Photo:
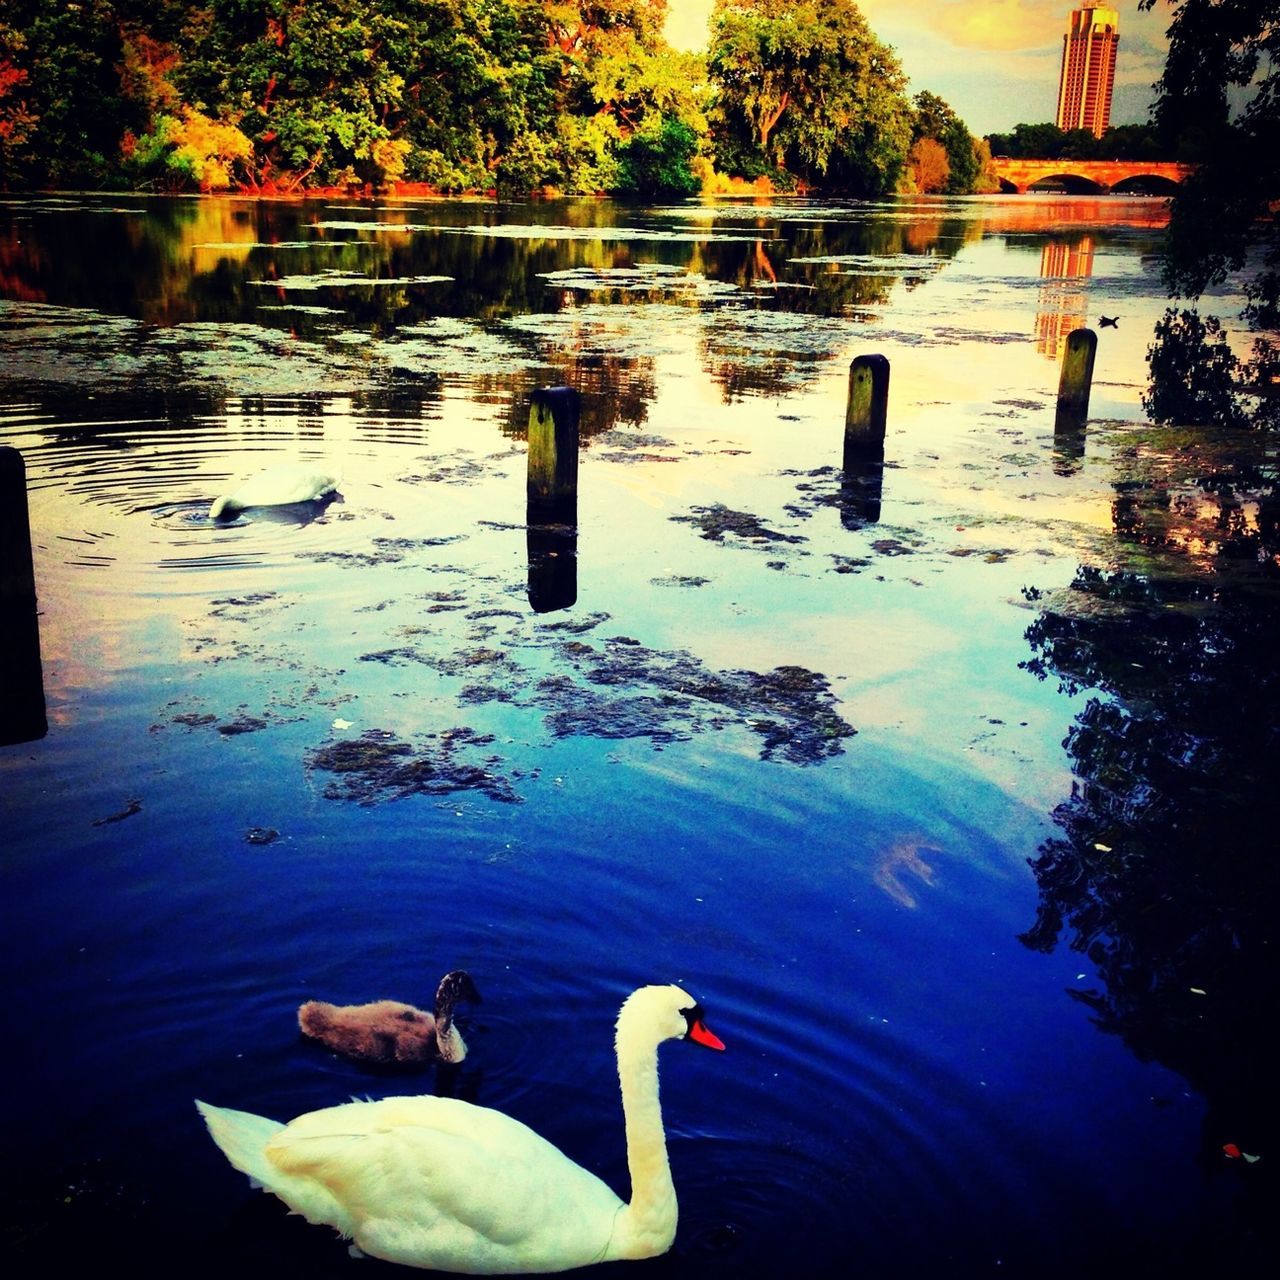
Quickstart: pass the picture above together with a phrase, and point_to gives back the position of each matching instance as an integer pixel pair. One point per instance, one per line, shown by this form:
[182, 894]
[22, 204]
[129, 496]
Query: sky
[996, 62]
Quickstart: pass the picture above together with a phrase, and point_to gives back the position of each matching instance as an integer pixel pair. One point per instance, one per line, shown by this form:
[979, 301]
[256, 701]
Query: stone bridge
[1086, 176]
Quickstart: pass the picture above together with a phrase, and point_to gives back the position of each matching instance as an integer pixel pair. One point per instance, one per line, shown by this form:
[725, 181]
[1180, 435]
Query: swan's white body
[280, 484]
[439, 1183]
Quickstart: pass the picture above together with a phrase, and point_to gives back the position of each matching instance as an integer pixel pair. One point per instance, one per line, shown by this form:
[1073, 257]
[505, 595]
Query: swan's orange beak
[699, 1031]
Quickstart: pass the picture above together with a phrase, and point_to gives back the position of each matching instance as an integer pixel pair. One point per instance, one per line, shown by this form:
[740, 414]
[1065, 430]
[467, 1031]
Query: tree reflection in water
[1165, 873]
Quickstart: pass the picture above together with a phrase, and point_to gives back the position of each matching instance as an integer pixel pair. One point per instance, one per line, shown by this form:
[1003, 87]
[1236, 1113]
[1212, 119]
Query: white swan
[389, 1033]
[440, 1183]
[282, 483]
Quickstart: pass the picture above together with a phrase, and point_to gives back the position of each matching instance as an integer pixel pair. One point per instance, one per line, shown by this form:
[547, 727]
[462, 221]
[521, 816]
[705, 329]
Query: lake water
[827, 754]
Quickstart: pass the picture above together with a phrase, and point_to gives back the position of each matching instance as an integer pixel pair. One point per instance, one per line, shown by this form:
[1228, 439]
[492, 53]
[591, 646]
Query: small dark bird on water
[1109, 322]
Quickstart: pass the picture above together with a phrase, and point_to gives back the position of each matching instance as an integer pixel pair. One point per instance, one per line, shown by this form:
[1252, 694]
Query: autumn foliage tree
[518, 95]
[928, 165]
[936, 121]
[17, 121]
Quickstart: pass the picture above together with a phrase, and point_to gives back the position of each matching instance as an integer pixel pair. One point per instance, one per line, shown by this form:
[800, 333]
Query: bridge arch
[1157, 177]
[1073, 184]
[1146, 184]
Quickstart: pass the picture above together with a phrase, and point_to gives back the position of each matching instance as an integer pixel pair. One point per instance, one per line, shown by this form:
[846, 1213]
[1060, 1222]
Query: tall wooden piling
[865, 417]
[22, 709]
[867, 410]
[1076, 379]
[553, 454]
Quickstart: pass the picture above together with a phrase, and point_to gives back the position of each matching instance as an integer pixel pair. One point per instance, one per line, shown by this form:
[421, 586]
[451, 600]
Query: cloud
[997, 25]
[1009, 25]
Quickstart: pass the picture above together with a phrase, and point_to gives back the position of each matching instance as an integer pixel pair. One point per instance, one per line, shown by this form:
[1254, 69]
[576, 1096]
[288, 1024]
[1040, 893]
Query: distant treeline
[1120, 142]
[516, 96]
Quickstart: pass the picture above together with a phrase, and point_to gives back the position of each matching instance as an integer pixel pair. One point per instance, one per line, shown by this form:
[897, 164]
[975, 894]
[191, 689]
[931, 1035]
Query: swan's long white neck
[647, 1225]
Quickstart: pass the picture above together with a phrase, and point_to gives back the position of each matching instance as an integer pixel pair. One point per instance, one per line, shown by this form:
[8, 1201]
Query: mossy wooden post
[868, 408]
[1076, 379]
[22, 710]
[553, 455]
[865, 417]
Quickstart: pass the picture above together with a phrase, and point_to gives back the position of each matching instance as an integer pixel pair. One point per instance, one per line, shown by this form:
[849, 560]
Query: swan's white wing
[286, 482]
[441, 1183]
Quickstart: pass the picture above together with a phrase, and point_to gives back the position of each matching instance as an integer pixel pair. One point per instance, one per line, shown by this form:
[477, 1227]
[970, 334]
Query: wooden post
[865, 416]
[867, 410]
[1077, 377]
[553, 454]
[22, 709]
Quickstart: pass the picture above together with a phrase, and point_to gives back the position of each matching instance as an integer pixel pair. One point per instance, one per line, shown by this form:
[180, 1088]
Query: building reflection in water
[1063, 304]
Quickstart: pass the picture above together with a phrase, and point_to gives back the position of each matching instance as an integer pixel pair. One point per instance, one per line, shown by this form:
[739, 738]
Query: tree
[189, 151]
[1222, 79]
[17, 121]
[935, 119]
[61, 109]
[574, 27]
[928, 165]
[1078, 144]
[1029, 142]
[657, 162]
[812, 90]
[1220, 51]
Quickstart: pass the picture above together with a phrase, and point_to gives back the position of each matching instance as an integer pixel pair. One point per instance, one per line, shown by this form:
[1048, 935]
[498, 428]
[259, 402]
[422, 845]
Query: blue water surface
[908, 1089]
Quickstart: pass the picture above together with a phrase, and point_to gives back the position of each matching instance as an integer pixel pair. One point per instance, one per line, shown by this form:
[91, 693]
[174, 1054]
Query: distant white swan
[283, 483]
[439, 1183]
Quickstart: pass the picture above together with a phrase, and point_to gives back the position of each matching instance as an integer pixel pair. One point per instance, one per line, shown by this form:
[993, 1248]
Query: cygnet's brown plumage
[391, 1034]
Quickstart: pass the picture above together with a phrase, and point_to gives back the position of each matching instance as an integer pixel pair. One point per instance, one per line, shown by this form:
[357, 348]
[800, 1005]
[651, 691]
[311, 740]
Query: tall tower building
[1088, 69]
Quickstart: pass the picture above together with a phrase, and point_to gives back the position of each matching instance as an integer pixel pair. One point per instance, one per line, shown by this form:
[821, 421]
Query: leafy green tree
[813, 89]
[658, 162]
[1120, 142]
[1221, 84]
[574, 27]
[60, 91]
[529, 163]
[374, 90]
[1220, 50]
[606, 49]
[189, 152]
[312, 84]
[1078, 144]
[1029, 142]
[1133, 142]
[618, 81]
[477, 76]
